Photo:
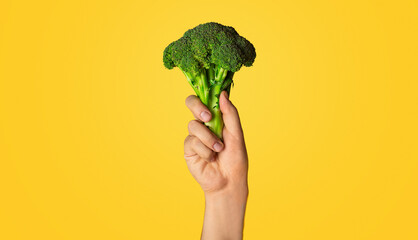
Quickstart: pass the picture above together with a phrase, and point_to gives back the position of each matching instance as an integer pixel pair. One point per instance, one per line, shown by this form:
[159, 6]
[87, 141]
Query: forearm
[224, 214]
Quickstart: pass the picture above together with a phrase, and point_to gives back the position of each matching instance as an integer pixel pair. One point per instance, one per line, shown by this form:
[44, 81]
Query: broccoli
[209, 55]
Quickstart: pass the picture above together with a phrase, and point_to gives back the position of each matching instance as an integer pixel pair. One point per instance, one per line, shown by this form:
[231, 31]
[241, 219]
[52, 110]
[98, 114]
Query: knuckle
[189, 100]
[187, 139]
[195, 141]
[193, 125]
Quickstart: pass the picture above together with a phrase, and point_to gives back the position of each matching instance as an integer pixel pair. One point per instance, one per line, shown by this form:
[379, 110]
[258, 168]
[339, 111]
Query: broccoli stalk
[208, 86]
[209, 55]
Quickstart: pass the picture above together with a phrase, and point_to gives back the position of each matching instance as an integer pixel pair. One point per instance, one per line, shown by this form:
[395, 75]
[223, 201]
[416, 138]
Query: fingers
[230, 115]
[199, 110]
[200, 131]
[193, 146]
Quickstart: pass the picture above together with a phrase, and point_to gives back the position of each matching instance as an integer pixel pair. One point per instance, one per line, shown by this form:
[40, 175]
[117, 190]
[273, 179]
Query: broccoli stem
[216, 124]
[200, 85]
[203, 87]
[208, 86]
[219, 79]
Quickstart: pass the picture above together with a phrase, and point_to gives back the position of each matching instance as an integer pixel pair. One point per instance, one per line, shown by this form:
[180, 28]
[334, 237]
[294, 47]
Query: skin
[220, 168]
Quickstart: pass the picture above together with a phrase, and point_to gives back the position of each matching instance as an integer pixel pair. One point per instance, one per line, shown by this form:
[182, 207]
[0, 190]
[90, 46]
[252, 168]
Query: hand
[216, 166]
[219, 167]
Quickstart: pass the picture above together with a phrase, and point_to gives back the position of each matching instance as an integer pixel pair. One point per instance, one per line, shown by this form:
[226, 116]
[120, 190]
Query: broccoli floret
[209, 55]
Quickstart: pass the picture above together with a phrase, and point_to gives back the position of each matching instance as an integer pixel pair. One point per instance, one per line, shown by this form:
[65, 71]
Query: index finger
[198, 109]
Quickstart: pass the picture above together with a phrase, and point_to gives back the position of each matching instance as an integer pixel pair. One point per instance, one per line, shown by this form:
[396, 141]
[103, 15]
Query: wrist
[224, 213]
[230, 194]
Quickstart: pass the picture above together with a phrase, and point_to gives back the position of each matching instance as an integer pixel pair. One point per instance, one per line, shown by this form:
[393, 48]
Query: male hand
[216, 165]
[219, 167]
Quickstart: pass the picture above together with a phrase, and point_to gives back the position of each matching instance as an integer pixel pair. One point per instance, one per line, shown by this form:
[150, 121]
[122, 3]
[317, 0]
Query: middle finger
[199, 130]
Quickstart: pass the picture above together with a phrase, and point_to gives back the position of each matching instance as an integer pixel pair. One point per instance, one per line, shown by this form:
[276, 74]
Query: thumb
[230, 115]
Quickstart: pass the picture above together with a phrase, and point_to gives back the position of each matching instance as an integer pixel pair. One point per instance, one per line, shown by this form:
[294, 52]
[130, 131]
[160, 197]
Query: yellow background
[92, 125]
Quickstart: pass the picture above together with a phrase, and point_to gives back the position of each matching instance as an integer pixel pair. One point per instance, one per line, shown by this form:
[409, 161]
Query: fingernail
[217, 146]
[205, 116]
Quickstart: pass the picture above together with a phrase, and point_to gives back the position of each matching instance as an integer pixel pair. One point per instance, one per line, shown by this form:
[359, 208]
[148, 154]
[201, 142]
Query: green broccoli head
[209, 55]
[206, 44]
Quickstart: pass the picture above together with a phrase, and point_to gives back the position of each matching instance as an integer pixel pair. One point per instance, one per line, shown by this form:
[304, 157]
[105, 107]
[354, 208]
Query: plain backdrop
[92, 125]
